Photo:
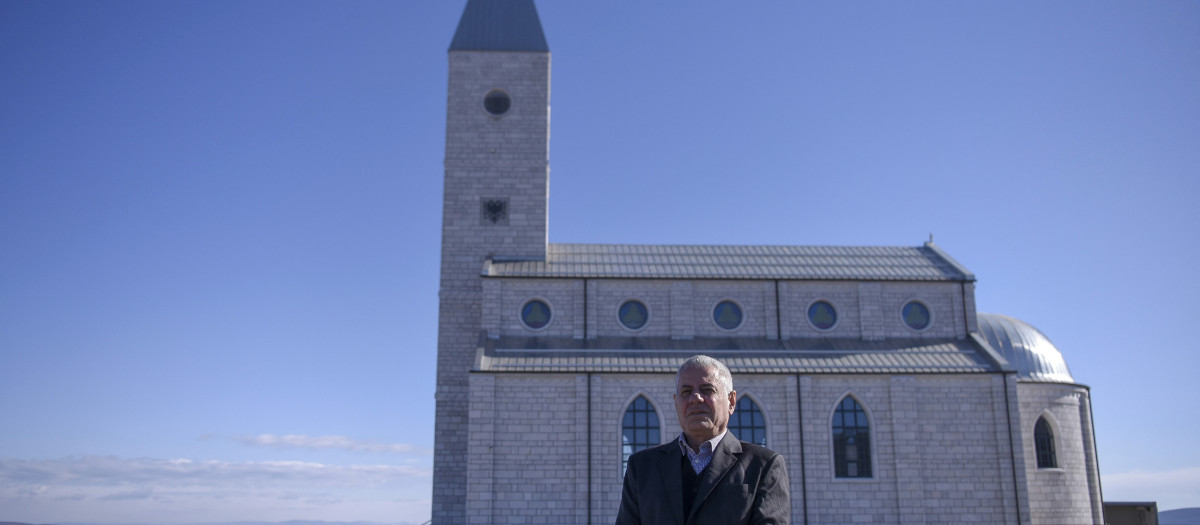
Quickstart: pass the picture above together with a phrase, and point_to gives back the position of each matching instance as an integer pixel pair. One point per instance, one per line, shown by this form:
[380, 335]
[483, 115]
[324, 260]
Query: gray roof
[741, 355]
[499, 25]
[876, 263]
[1026, 348]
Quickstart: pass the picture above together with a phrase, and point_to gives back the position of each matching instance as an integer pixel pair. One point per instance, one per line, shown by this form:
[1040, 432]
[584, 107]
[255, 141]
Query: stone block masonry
[937, 452]
[487, 157]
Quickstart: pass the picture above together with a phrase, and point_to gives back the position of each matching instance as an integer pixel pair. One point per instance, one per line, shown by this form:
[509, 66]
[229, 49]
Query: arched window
[639, 429]
[1043, 440]
[851, 440]
[747, 422]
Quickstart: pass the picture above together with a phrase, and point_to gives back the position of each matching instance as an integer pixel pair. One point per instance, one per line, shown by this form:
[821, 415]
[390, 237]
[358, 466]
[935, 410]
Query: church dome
[1026, 348]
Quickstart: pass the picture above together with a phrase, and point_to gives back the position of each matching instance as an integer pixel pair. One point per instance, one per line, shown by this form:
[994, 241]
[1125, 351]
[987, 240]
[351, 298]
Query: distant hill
[1188, 516]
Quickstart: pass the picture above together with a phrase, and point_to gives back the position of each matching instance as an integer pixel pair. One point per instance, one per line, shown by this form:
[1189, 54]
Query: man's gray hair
[724, 379]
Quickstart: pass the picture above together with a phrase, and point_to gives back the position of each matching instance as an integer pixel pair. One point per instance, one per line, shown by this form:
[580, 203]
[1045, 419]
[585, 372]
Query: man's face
[702, 409]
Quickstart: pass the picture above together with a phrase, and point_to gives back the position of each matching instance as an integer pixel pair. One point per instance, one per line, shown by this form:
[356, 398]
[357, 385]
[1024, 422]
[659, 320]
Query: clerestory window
[851, 440]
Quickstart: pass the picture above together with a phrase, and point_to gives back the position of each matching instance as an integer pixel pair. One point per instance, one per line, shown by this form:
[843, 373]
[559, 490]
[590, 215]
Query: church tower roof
[499, 25]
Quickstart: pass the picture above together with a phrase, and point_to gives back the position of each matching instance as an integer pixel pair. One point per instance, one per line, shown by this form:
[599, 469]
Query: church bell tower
[494, 204]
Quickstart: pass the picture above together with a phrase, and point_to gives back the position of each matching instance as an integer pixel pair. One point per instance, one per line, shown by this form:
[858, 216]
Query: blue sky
[220, 220]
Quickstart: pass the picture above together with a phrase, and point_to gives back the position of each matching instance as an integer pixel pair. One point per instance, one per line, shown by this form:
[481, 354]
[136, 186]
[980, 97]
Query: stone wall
[1061, 495]
[487, 157]
[606, 296]
[939, 445]
[527, 458]
[683, 309]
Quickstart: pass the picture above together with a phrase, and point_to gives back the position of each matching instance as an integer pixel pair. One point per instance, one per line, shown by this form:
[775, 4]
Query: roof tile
[735, 262]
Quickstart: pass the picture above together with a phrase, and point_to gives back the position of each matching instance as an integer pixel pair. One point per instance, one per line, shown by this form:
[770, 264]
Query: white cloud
[143, 493]
[90, 469]
[1172, 489]
[329, 442]
[96, 488]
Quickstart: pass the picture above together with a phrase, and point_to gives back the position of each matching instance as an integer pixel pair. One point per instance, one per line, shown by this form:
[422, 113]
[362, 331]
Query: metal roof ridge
[967, 274]
[736, 246]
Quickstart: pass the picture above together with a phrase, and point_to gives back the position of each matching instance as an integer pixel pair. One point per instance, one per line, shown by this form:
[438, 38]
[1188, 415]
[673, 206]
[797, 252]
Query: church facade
[867, 368]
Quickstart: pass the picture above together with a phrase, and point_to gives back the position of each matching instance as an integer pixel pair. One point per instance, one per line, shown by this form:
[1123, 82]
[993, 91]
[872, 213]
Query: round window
[535, 314]
[727, 315]
[633, 315]
[916, 315]
[497, 102]
[822, 315]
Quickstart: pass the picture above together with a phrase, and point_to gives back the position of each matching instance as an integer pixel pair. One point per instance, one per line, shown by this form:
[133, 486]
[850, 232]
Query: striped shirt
[700, 460]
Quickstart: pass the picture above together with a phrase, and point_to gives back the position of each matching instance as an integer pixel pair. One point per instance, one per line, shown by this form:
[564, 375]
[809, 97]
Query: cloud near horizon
[95, 488]
[86, 470]
[329, 442]
[1171, 489]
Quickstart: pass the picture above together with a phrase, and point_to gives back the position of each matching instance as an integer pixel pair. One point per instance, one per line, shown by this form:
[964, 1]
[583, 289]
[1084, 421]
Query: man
[707, 476]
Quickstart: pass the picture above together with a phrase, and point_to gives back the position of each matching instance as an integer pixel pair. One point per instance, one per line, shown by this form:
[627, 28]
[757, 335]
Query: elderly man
[707, 476]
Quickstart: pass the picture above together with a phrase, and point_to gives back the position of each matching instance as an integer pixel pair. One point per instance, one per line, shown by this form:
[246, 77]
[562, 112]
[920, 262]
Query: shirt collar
[712, 443]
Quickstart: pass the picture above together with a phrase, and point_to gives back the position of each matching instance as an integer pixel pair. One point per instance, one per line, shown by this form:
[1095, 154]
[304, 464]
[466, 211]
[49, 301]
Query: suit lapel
[723, 459]
[668, 468]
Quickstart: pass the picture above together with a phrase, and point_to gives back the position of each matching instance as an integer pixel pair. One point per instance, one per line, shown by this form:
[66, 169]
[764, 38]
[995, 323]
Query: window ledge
[855, 480]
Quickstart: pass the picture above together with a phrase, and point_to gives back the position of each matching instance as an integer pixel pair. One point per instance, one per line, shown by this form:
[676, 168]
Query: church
[867, 367]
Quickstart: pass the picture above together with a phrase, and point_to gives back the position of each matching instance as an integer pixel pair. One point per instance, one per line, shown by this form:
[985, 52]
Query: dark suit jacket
[744, 484]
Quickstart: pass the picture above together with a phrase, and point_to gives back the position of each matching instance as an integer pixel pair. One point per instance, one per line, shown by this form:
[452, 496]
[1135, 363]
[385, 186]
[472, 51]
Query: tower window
[851, 440]
[1043, 440]
[822, 315]
[639, 429]
[747, 422]
[497, 102]
[536, 314]
[916, 315]
[727, 315]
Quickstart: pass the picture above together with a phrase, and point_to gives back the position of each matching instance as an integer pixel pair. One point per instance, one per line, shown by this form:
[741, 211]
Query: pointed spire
[499, 25]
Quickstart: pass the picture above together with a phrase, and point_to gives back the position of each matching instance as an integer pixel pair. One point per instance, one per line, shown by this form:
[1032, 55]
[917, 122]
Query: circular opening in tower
[497, 102]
